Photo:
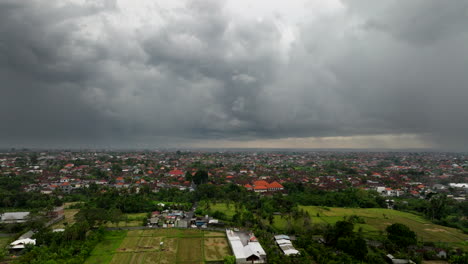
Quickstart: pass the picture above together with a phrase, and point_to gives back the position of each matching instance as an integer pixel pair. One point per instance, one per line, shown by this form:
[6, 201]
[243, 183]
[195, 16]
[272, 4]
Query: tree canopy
[401, 235]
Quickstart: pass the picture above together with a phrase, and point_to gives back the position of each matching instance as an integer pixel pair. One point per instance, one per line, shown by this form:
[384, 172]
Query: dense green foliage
[350, 197]
[439, 209]
[400, 235]
[13, 196]
[72, 246]
[200, 177]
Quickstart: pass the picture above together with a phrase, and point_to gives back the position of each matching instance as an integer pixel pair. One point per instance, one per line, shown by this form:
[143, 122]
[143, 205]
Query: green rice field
[181, 246]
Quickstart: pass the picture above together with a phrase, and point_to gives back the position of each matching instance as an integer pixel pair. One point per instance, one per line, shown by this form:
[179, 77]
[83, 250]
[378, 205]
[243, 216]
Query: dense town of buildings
[389, 173]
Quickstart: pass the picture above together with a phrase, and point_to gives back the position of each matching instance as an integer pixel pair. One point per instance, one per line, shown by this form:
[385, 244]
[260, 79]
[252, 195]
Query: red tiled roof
[274, 184]
[261, 187]
[260, 183]
[176, 172]
[248, 186]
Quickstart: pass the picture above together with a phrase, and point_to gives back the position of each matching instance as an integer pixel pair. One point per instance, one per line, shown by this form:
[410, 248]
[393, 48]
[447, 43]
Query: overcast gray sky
[240, 73]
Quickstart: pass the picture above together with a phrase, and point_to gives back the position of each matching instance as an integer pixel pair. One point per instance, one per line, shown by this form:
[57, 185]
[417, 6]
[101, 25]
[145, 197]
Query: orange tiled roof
[260, 183]
[274, 184]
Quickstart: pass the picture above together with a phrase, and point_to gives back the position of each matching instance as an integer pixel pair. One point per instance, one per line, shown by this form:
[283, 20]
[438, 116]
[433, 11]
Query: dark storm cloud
[99, 75]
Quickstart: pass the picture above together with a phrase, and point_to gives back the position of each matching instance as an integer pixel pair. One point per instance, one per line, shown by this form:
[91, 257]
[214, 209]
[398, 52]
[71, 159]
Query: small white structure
[399, 261]
[14, 217]
[21, 243]
[284, 242]
[385, 191]
[213, 221]
[459, 185]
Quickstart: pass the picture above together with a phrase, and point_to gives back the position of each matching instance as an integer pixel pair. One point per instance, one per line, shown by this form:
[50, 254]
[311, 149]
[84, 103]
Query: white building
[14, 217]
[21, 243]
[459, 185]
[286, 245]
[246, 251]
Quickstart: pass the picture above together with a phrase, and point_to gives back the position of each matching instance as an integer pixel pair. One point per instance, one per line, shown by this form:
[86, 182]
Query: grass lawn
[228, 209]
[376, 220]
[181, 246]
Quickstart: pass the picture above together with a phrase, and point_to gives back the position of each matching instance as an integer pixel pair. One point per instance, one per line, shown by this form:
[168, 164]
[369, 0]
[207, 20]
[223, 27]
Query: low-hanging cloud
[125, 73]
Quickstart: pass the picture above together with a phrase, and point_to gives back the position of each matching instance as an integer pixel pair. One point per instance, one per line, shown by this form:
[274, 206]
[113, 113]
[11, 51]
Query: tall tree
[401, 235]
[200, 177]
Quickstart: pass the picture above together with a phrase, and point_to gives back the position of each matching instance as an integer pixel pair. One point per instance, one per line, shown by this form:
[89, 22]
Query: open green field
[131, 220]
[228, 209]
[182, 246]
[69, 218]
[376, 220]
